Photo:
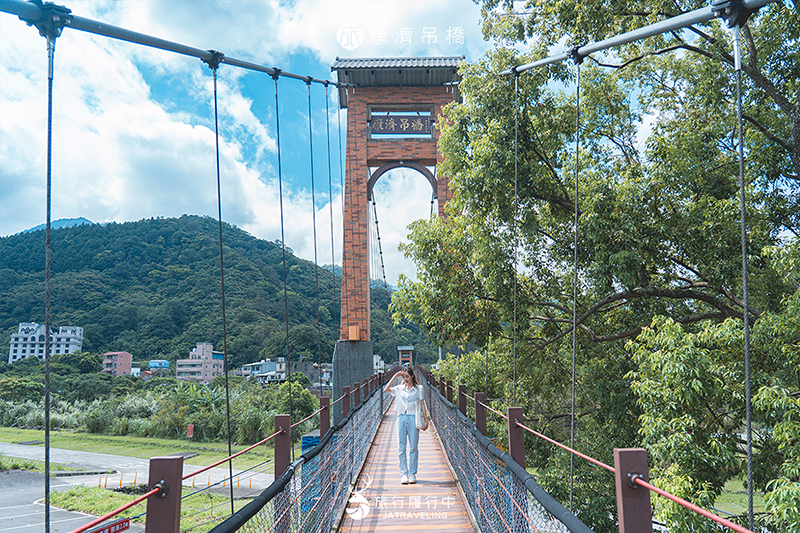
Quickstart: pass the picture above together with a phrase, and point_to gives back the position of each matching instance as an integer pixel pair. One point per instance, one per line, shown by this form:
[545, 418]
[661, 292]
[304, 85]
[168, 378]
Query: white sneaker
[412, 478]
[404, 480]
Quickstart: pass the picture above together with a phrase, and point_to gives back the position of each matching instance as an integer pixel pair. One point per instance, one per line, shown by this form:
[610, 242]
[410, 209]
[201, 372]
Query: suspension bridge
[344, 479]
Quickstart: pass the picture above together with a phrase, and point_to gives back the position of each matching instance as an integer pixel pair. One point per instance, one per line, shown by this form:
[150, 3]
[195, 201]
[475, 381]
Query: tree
[658, 233]
[301, 379]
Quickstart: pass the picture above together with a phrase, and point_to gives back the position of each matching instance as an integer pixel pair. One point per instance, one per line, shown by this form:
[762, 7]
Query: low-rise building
[378, 365]
[203, 364]
[252, 371]
[117, 363]
[307, 368]
[30, 340]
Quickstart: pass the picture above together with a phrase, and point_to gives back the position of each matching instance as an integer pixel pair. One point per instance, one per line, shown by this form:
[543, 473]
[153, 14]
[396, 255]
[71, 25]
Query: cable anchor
[575, 56]
[215, 59]
[163, 487]
[632, 476]
[52, 19]
[732, 11]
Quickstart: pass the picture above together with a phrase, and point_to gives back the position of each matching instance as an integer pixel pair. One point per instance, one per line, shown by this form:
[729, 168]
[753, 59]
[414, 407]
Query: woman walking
[407, 393]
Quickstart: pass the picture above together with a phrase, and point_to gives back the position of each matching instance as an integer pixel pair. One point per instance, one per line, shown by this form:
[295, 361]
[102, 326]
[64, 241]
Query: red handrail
[691, 506]
[339, 399]
[579, 454]
[115, 512]
[638, 480]
[309, 416]
[237, 454]
[494, 410]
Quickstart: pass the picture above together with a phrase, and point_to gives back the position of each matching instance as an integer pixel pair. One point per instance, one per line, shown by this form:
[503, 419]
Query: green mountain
[61, 223]
[152, 288]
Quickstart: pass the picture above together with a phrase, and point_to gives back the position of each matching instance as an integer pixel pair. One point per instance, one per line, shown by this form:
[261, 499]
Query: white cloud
[133, 126]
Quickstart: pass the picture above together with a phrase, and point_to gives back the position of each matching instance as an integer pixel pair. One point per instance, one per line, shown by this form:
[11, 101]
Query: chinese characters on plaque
[401, 125]
[351, 36]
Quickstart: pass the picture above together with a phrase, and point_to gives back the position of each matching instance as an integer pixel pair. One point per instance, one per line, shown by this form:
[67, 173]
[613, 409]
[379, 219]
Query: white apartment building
[30, 340]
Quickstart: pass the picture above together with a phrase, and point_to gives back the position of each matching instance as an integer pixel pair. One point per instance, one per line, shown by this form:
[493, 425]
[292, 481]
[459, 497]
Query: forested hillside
[152, 288]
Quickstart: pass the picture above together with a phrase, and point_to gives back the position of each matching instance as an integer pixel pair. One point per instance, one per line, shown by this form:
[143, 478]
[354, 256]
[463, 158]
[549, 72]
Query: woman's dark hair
[410, 372]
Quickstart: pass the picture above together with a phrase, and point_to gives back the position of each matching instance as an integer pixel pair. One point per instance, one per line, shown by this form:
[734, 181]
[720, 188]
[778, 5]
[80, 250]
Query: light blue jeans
[407, 429]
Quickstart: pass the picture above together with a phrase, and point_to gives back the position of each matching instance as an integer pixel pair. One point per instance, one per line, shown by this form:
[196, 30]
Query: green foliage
[301, 379]
[658, 253]
[20, 389]
[152, 288]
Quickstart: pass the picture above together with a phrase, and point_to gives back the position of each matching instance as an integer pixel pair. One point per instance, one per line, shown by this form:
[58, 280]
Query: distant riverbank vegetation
[160, 407]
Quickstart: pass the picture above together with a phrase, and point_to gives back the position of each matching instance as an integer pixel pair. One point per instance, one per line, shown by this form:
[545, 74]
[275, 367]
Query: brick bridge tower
[393, 105]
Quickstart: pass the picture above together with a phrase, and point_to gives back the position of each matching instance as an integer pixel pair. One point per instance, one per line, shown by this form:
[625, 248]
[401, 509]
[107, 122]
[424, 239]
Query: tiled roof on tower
[396, 72]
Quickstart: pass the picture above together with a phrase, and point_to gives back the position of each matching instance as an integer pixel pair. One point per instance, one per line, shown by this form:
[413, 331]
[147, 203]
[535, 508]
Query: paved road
[21, 509]
[20, 492]
[130, 468]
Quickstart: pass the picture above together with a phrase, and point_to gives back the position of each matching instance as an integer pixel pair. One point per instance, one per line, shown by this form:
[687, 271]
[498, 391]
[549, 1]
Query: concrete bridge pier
[352, 363]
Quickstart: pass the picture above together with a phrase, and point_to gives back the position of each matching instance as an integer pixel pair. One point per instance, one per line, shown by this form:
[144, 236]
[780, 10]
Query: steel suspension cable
[330, 206]
[51, 50]
[514, 231]
[314, 224]
[745, 296]
[575, 276]
[214, 65]
[383, 268]
[283, 246]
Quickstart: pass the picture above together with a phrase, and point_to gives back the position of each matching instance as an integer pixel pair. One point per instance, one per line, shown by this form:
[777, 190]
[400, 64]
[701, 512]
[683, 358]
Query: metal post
[345, 401]
[283, 443]
[164, 509]
[356, 395]
[633, 501]
[480, 412]
[324, 416]
[449, 389]
[462, 399]
[516, 436]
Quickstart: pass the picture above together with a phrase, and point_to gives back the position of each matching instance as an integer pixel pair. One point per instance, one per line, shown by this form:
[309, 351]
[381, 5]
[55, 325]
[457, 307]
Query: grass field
[143, 448]
[200, 512]
[13, 463]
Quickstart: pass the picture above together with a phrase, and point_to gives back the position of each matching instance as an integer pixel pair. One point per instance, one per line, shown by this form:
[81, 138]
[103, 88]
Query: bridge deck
[434, 502]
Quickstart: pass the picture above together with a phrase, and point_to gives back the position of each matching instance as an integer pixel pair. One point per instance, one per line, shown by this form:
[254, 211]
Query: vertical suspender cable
[575, 280]
[380, 254]
[314, 224]
[330, 203]
[745, 297]
[222, 288]
[514, 232]
[283, 249]
[51, 50]
[486, 350]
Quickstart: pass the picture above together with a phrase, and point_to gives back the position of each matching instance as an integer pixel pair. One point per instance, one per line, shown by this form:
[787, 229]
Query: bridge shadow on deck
[434, 502]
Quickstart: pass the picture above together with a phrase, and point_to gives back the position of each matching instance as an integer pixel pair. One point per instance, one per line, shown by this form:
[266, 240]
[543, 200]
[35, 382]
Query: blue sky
[134, 131]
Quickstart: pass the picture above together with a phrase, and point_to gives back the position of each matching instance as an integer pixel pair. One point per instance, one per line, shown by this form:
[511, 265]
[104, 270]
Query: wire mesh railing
[502, 495]
[312, 493]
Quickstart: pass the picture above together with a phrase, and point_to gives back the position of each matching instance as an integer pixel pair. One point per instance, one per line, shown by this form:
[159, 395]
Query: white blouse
[405, 399]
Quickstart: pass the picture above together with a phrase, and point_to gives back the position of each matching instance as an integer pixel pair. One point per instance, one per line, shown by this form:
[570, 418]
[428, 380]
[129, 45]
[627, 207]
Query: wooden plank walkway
[434, 502]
